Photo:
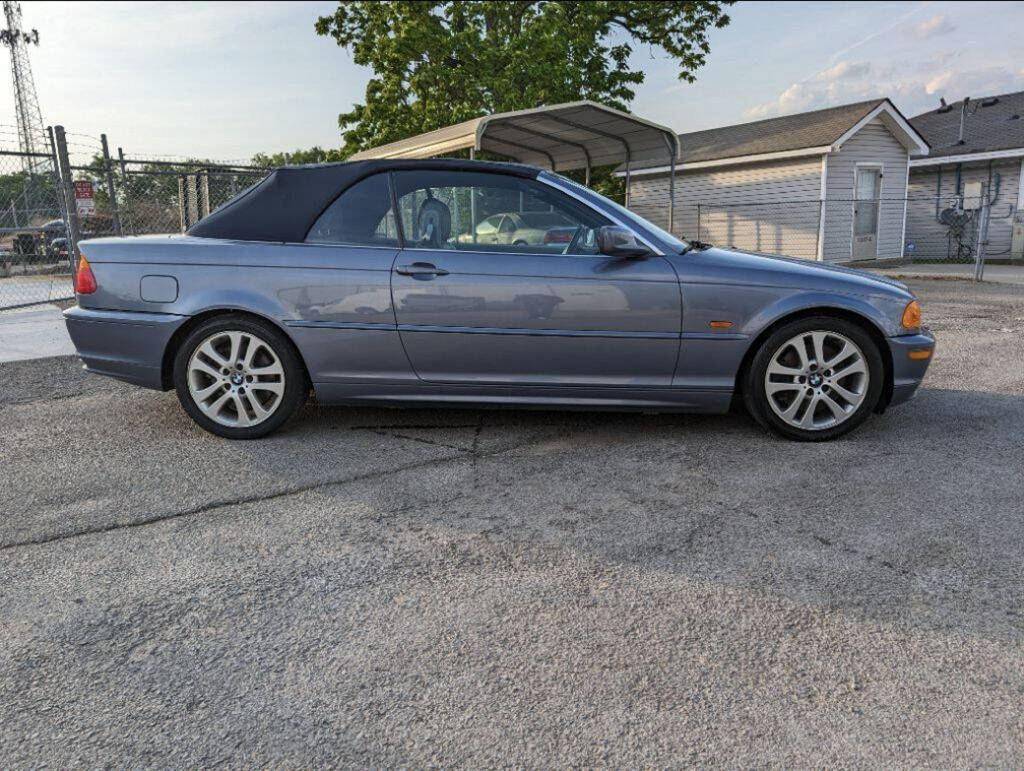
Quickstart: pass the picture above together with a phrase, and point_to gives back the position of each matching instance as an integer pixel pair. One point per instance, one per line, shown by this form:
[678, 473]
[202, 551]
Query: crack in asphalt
[837, 544]
[419, 439]
[244, 500]
[411, 426]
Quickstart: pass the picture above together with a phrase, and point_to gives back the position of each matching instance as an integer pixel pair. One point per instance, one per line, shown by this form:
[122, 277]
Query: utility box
[1017, 239]
[972, 196]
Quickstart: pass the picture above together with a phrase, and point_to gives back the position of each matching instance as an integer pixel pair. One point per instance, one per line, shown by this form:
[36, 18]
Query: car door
[337, 290]
[542, 314]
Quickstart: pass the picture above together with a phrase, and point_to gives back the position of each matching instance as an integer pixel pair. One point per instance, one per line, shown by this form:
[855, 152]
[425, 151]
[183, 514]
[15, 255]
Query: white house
[977, 140]
[829, 184]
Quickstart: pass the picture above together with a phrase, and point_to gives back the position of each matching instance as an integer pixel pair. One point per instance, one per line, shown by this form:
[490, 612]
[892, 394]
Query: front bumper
[125, 345]
[907, 372]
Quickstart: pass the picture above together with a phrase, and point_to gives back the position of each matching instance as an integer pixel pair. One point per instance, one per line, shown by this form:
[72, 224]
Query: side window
[360, 216]
[488, 227]
[454, 210]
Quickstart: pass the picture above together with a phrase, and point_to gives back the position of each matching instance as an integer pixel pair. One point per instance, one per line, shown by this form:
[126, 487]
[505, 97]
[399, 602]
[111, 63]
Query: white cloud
[844, 70]
[939, 82]
[939, 24]
[917, 89]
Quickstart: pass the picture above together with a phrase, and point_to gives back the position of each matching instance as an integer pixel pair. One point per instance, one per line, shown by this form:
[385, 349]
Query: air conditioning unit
[1017, 240]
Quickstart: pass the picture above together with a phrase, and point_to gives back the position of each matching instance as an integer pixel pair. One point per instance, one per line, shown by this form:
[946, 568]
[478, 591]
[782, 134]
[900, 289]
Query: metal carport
[562, 137]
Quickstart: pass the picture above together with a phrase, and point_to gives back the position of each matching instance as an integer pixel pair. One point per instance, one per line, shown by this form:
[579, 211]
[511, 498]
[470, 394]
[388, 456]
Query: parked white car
[528, 228]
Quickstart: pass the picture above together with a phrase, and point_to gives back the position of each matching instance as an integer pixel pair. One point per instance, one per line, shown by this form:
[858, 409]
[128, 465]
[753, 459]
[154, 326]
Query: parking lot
[399, 587]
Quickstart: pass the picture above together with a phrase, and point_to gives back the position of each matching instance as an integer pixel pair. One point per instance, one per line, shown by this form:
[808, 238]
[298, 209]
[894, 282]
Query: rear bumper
[120, 344]
[908, 372]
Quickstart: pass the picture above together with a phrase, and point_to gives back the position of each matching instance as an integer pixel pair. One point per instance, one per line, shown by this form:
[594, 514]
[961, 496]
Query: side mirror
[620, 242]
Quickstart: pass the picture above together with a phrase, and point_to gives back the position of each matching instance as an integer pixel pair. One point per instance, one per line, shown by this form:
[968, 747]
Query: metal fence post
[55, 168]
[123, 164]
[74, 233]
[108, 173]
[979, 253]
[203, 193]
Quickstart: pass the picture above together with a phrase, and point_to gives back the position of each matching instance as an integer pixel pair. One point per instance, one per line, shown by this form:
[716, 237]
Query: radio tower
[30, 119]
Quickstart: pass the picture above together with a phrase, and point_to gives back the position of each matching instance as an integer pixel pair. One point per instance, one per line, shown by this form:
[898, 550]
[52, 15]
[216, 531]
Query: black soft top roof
[284, 206]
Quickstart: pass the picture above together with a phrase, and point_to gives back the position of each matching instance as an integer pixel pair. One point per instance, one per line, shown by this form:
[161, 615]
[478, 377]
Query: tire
[837, 397]
[271, 385]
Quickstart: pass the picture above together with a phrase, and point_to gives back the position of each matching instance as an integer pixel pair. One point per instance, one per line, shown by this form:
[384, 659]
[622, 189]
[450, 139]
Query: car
[58, 248]
[353, 280]
[533, 228]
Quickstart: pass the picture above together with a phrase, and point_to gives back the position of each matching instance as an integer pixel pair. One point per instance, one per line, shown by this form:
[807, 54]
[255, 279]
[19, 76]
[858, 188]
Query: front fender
[711, 359]
[878, 310]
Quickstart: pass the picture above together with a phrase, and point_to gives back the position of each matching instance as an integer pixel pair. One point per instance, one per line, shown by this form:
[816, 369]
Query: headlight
[912, 316]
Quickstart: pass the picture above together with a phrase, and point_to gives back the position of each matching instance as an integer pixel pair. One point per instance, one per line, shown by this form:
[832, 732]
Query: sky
[226, 80]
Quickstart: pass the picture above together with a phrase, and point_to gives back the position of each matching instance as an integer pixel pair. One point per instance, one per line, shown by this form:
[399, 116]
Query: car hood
[789, 271]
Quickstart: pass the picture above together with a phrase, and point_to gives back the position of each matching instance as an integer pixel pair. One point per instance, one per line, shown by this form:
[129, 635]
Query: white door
[867, 190]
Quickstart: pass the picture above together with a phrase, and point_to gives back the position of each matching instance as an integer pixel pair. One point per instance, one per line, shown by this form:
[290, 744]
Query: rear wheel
[239, 377]
[815, 379]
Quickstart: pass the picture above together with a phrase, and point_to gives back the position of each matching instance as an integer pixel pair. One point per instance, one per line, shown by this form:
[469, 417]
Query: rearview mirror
[616, 241]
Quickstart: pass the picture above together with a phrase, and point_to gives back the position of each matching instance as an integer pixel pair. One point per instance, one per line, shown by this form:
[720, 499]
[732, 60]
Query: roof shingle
[772, 135]
[999, 126]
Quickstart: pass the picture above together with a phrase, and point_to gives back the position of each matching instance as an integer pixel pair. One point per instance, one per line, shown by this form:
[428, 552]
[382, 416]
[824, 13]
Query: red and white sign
[85, 203]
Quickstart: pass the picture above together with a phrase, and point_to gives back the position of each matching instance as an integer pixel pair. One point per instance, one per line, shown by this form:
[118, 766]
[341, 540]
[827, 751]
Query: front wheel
[815, 379]
[239, 377]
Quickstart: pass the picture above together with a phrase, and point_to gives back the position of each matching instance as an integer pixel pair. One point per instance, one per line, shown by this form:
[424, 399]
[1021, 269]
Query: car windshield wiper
[695, 246]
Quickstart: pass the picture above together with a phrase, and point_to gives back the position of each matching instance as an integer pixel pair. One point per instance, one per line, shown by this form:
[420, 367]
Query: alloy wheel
[816, 380]
[236, 379]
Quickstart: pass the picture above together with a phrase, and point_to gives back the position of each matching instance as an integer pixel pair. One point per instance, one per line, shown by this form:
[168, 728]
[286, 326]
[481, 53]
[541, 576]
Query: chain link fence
[80, 189]
[41, 220]
[34, 265]
[920, 229]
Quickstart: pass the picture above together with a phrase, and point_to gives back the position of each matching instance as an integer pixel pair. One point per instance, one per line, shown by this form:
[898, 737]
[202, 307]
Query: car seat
[434, 223]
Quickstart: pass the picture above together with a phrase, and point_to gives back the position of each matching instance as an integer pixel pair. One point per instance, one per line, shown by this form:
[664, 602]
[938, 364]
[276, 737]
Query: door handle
[421, 270]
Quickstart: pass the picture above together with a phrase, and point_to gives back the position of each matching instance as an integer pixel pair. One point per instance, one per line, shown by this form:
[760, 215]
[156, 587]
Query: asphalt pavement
[479, 588]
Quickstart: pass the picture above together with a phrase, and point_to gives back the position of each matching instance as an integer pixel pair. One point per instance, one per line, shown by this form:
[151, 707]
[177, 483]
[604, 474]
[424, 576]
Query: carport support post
[472, 200]
[108, 173]
[672, 195]
[672, 148]
[625, 199]
[74, 233]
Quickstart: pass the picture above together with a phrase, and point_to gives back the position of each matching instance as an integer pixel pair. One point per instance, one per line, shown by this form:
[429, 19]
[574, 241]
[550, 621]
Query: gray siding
[872, 144]
[765, 207]
[930, 238]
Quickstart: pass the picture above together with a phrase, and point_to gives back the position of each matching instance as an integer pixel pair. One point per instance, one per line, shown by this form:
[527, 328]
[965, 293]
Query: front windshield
[631, 217]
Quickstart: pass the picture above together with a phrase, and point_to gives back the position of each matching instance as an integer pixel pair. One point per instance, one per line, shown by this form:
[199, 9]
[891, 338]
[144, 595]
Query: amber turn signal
[912, 316]
[719, 324]
[919, 353]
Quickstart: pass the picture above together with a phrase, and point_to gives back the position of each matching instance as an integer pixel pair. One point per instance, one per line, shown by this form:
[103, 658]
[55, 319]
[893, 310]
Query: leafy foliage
[314, 154]
[438, 63]
[27, 199]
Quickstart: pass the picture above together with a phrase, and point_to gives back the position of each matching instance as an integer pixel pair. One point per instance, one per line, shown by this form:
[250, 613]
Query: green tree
[314, 154]
[438, 63]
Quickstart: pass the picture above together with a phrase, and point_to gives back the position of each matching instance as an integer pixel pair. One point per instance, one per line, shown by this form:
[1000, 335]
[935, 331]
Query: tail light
[85, 281]
[558, 236]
